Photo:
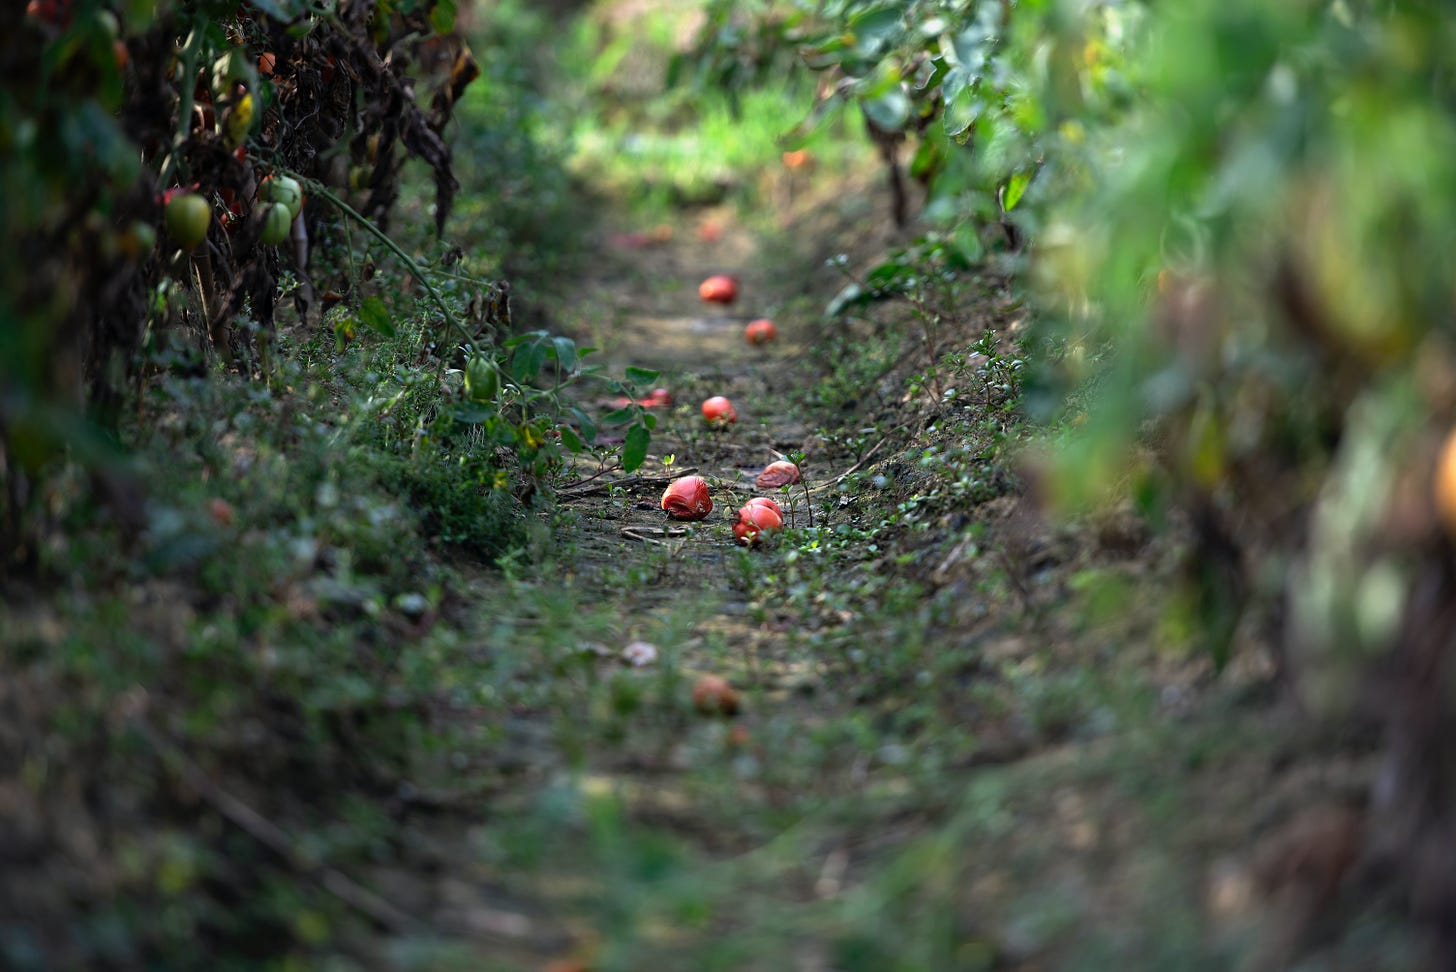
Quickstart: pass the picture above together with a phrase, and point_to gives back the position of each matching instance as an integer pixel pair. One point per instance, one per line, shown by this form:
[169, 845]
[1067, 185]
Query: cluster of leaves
[1245, 286]
[1250, 266]
[241, 457]
[105, 109]
[1238, 215]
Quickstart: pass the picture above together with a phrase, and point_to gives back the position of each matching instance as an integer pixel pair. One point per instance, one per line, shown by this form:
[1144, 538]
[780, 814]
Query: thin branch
[382, 912]
[586, 486]
[640, 533]
[420, 274]
[863, 459]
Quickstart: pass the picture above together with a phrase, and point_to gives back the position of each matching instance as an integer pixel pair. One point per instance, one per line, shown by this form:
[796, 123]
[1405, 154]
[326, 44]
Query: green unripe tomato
[276, 222]
[482, 384]
[282, 189]
[188, 215]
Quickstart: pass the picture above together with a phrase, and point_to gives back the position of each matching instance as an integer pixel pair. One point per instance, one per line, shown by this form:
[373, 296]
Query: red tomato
[778, 473]
[719, 411]
[765, 501]
[754, 520]
[719, 289]
[687, 498]
[760, 331]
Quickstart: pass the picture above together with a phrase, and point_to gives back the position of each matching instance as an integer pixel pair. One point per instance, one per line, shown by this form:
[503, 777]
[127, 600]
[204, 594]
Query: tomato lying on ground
[719, 289]
[760, 331]
[719, 411]
[687, 498]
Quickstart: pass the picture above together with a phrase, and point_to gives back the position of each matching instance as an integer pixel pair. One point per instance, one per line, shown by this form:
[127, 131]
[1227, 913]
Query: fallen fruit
[719, 289]
[687, 498]
[719, 411]
[1445, 483]
[285, 190]
[220, 510]
[712, 695]
[796, 159]
[760, 331]
[660, 396]
[778, 473]
[765, 501]
[753, 520]
[188, 216]
[276, 223]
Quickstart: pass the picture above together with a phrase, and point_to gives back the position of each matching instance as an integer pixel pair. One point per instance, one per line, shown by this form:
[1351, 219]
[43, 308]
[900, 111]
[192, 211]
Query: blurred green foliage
[1237, 215]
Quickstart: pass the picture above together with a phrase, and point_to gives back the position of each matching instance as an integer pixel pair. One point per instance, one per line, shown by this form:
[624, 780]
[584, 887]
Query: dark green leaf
[473, 413]
[442, 16]
[571, 440]
[585, 423]
[641, 376]
[565, 350]
[962, 111]
[634, 449]
[375, 316]
[876, 28]
[888, 111]
[527, 361]
[519, 339]
[621, 416]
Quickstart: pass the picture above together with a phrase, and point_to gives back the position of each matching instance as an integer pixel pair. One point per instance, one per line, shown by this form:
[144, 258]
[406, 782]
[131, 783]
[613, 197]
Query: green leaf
[967, 240]
[634, 450]
[375, 316]
[442, 16]
[584, 422]
[1015, 189]
[962, 111]
[571, 440]
[564, 349]
[473, 413]
[876, 28]
[527, 361]
[641, 376]
[621, 416]
[519, 339]
[890, 111]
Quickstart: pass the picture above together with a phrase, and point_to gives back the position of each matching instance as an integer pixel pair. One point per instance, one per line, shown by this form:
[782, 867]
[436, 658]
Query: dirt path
[949, 754]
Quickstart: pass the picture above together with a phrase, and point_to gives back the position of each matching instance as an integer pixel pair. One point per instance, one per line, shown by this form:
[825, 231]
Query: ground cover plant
[417, 552]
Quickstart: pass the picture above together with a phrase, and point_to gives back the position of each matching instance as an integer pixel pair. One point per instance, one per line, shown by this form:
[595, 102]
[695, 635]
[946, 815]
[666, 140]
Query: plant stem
[383, 237]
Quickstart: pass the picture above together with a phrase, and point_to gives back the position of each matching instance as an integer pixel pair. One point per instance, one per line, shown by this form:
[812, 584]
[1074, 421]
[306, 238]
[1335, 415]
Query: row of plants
[252, 399]
[1231, 218]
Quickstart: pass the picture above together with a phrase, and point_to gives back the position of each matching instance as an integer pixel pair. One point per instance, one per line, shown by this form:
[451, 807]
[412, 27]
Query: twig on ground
[862, 460]
[588, 485]
[382, 912]
[594, 476]
[640, 534]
